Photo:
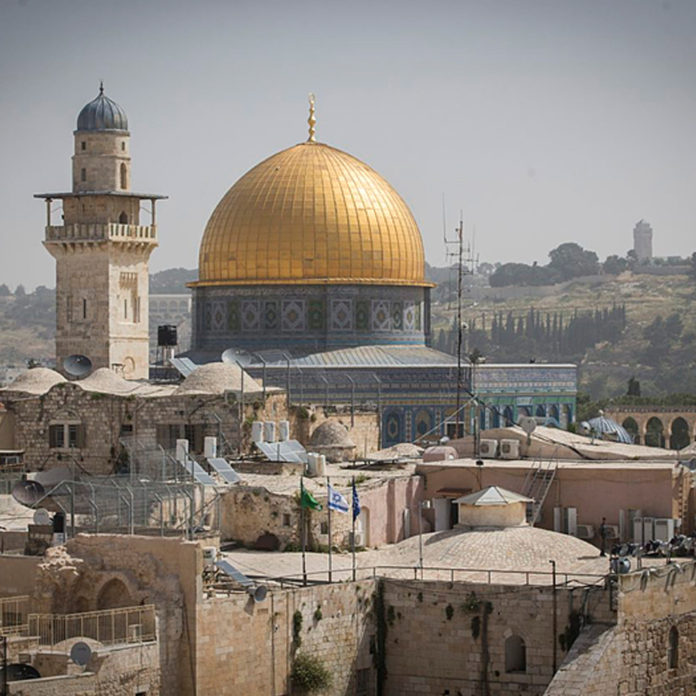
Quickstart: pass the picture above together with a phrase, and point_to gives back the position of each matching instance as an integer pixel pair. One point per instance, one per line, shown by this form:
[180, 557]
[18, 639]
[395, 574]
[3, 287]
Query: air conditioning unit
[509, 449]
[638, 530]
[358, 538]
[586, 531]
[648, 529]
[613, 531]
[664, 528]
[488, 449]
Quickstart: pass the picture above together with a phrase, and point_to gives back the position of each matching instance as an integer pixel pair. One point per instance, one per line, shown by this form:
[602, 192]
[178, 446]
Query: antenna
[77, 365]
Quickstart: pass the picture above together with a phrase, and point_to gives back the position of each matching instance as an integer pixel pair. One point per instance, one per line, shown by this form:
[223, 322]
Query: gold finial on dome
[311, 120]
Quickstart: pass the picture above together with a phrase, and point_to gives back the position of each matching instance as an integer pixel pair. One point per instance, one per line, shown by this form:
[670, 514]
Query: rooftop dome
[102, 114]
[602, 426]
[216, 378]
[38, 380]
[509, 548]
[311, 214]
[331, 433]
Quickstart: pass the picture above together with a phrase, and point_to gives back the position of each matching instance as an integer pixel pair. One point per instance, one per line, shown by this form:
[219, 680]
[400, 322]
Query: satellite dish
[20, 672]
[28, 492]
[233, 355]
[42, 517]
[528, 424]
[77, 365]
[258, 593]
[80, 653]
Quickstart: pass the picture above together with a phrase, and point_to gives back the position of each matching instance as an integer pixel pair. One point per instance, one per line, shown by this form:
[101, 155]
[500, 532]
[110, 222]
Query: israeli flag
[337, 501]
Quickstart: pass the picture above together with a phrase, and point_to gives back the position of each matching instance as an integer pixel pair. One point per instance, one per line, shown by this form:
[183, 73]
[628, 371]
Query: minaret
[101, 249]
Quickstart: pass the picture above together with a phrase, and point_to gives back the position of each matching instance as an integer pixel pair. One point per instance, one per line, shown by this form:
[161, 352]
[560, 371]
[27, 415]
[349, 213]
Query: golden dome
[311, 214]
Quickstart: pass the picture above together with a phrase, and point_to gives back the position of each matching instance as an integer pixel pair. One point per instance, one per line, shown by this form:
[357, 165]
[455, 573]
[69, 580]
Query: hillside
[657, 345]
[613, 327]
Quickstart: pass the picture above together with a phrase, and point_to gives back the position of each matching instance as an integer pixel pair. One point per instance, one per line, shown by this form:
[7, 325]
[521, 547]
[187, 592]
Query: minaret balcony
[99, 232]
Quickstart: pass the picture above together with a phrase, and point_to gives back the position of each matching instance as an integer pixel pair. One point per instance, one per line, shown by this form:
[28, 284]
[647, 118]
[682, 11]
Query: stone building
[102, 249]
[642, 241]
[86, 422]
[469, 632]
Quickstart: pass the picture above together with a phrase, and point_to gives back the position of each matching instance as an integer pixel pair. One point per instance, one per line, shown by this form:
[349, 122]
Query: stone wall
[250, 513]
[118, 671]
[633, 659]
[93, 572]
[248, 648]
[451, 637]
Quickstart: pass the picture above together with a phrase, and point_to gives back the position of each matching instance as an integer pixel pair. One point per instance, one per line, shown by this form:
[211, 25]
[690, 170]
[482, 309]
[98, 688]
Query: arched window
[123, 219]
[113, 595]
[632, 429]
[679, 437]
[540, 411]
[515, 654]
[673, 648]
[124, 176]
[655, 433]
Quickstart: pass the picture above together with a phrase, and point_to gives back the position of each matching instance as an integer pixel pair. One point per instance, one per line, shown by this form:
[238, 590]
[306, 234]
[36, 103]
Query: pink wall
[596, 492]
[386, 505]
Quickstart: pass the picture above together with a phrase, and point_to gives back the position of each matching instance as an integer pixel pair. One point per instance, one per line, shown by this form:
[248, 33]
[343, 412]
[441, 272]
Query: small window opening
[84, 309]
[125, 309]
[286, 519]
[83, 175]
[673, 648]
[84, 145]
[324, 527]
[124, 176]
[515, 654]
[123, 145]
[123, 219]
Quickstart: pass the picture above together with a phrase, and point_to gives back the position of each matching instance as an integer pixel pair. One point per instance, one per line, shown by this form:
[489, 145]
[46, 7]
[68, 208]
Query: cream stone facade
[102, 249]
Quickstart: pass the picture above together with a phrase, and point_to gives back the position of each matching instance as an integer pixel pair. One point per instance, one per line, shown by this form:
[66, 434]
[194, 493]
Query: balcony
[100, 232]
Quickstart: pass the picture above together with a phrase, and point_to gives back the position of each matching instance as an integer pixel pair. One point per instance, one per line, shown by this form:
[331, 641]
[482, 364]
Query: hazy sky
[544, 121]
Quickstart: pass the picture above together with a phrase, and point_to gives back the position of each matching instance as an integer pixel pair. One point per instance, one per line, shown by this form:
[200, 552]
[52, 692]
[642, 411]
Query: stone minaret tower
[101, 249]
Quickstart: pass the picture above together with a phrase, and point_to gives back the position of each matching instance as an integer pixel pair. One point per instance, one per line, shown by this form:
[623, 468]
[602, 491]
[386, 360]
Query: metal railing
[440, 573]
[13, 615]
[109, 627]
[89, 231]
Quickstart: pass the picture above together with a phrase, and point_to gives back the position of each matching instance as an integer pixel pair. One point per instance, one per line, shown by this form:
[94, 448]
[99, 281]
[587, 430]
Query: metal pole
[457, 429]
[328, 505]
[302, 532]
[553, 637]
[352, 401]
[5, 691]
[420, 537]
[352, 514]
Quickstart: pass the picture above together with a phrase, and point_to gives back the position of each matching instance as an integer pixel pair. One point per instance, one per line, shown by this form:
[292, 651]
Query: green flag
[307, 500]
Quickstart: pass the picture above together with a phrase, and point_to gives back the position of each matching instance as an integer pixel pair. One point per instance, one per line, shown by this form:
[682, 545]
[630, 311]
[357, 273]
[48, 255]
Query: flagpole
[352, 514]
[303, 528]
[328, 505]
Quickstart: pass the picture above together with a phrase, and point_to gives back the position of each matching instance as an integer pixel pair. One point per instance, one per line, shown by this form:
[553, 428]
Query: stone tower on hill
[642, 241]
[102, 249]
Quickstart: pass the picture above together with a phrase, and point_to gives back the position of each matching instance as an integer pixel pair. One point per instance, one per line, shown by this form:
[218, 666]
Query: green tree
[614, 265]
[570, 260]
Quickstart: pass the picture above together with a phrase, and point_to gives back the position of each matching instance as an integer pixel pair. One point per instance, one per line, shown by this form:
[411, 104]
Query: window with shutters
[67, 436]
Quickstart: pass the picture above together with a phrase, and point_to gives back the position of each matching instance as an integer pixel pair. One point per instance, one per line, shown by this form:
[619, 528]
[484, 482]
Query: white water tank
[283, 430]
[269, 431]
[182, 450]
[638, 530]
[312, 464]
[321, 464]
[648, 529]
[257, 431]
[210, 447]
